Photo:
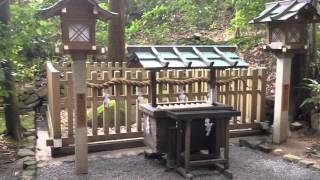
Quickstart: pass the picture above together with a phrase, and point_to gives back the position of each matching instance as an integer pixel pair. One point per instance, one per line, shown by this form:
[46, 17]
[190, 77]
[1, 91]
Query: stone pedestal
[281, 107]
[81, 138]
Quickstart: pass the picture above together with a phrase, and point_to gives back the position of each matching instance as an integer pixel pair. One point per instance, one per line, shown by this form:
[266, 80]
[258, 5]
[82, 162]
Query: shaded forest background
[30, 41]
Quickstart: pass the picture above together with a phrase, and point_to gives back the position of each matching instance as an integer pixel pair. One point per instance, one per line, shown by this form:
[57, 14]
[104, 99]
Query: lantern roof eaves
[56, 8]
[281, 11]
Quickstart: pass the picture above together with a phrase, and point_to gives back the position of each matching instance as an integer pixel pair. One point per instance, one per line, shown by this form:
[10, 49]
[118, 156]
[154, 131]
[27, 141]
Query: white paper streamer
[182, 96]
[106, 98]
[208, 126]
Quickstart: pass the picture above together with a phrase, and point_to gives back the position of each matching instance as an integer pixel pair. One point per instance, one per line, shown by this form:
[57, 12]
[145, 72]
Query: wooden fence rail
[122, 120]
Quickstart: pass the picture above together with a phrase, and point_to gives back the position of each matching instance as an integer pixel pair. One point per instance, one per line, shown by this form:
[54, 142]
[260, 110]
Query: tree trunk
[4, 11]
[11, 109]
[313, 54]
[116, 32]
[10, 102]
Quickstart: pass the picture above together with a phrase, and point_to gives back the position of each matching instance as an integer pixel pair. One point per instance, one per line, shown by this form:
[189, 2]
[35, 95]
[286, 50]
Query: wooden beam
[101, 146]
[184, 60]
[106, 137]
[204, 59]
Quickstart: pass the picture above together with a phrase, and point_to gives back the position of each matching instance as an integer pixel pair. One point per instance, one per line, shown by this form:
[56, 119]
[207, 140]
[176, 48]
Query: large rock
[31, 99]
[292, 158]
[267, 148]
[251, 143]
[305, 163]
[25, 152]
[296, 126]
[42, 91]
[29, 173]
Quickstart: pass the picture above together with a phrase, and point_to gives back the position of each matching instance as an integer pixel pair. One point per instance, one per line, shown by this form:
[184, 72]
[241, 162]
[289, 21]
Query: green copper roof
[286, 10]
[151, 57]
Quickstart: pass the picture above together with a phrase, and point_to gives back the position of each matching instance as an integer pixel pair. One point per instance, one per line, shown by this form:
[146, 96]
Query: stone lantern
[78, 25]
[287, 36]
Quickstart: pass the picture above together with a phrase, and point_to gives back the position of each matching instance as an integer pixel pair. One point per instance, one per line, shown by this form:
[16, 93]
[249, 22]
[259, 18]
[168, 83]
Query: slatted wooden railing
[247, 96]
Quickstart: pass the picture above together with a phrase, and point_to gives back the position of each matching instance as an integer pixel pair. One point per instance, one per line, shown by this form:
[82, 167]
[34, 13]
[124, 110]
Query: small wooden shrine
[287, 38]
[191, 134]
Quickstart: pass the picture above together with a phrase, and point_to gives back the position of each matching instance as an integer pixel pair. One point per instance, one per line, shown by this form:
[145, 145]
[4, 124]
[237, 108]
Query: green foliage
[314, 87]
[246, 10]
[154, 25]
[26, 41]
[245, 42]
[111, 113]
[2, 122]
[159, 19]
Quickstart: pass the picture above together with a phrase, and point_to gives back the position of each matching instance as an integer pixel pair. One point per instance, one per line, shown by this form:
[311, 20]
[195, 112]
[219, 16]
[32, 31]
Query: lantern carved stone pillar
[287, 35]
[78, 25]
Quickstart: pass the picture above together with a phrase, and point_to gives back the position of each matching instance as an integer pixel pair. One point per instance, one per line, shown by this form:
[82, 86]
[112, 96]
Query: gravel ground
[130, 164]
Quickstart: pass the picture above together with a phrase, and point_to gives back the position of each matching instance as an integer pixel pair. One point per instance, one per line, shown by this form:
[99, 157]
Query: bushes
[111, 114]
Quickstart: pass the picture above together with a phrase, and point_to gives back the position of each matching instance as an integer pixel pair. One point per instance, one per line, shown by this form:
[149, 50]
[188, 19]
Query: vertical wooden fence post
[70, 104]
[254, 95]
[128, 101]
[94, 102]
[106, 122]
[138, 112]
[54, 99]
[117, 91]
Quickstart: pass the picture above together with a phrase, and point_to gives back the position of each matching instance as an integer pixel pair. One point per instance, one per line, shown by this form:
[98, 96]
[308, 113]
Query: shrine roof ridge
[184, 57]
[56, 8]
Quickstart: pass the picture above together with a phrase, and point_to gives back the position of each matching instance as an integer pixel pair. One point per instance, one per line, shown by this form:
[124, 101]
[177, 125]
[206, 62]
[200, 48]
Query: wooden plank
[94, 102]
[219, 96]
[254, 95]
[170, 75]
[249, 132]
[117, 92]
[190, 86]
[128, 102]
[235, 95]
[160, 87]
[262, 103]
[101, 146]
[244, 97]
[249, 95]
[54, 99]
[153, 88]
[187, 145]
[70, 104]
[245, 126]
[138, 111]
[206, 162]
[227, 87]
[148, 89]
[97, 138]
[199, 85]
[181, 76]
[106, 122]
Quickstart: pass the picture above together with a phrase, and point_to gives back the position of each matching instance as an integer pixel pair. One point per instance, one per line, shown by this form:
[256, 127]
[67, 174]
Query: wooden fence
[123, 119]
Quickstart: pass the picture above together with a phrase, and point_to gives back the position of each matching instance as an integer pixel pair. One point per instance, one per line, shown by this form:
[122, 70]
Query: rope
[159, 81]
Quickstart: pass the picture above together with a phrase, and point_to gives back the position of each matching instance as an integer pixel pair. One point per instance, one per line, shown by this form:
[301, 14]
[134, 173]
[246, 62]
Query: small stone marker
[316, 167]
[296, 126]
[278, 152]
[306, 163]
[265, 147]
[292, 158]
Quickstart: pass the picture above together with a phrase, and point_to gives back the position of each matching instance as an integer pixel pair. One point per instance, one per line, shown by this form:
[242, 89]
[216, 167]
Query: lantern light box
[78, 22]
[286, 22]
